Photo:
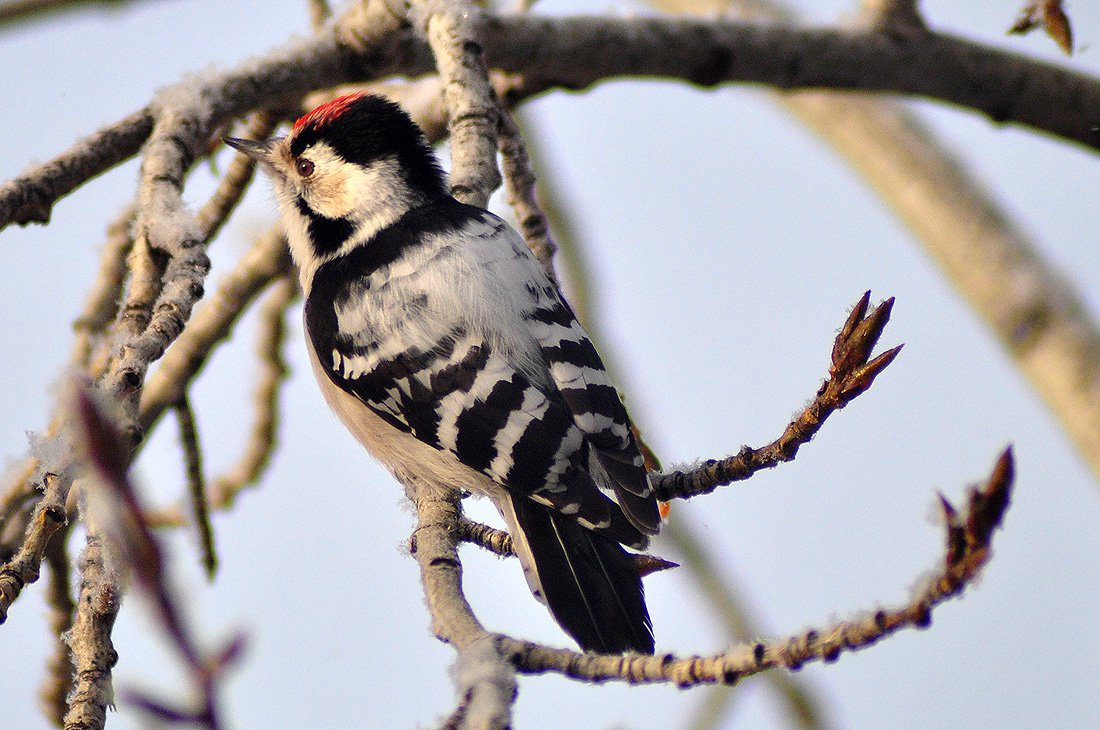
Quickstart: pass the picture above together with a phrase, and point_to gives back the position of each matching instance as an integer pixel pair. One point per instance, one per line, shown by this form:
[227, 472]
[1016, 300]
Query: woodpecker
[447, 351]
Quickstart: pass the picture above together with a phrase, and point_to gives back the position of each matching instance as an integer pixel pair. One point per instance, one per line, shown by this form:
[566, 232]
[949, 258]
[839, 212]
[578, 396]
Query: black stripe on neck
[326, 234]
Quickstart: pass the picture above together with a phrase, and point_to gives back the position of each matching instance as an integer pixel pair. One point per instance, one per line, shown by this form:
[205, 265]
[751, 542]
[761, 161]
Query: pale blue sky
[726, 244]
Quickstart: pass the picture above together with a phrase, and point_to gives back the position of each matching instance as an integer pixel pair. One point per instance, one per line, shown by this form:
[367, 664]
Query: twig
[29, 198]
[192, 456]
[213, 322]
[18, 10]
[519, 185]
[797, 697]
[894, 16]
[1052, 16]
[267, 261]
[850, 374]
[319, 12]
[499, 543]
[273, 373]
[968, 549]
[59, 668]
[242, 168]
[803, 708]
[101, 304]
[48, 518]
[14, 512]
[575, 53]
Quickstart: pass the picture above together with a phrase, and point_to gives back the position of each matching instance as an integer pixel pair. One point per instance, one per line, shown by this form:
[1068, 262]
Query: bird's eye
[304, 167]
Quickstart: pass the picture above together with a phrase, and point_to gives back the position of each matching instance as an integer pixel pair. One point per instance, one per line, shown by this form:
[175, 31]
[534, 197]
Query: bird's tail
[588, 581]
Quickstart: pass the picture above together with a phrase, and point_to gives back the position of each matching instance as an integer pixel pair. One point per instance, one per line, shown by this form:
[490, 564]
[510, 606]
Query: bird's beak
[259, 151]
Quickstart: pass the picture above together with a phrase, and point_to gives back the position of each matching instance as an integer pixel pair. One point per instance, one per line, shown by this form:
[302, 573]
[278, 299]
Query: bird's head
[347, 169]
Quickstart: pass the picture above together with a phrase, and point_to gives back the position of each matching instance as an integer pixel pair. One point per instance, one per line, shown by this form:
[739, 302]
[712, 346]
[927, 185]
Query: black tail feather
[588, 581]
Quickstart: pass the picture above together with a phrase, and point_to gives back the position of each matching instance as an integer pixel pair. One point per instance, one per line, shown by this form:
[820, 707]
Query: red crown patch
[327, 112]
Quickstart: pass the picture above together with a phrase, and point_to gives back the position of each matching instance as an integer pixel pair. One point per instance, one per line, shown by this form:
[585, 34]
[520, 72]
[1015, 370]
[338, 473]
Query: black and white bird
[444, 347]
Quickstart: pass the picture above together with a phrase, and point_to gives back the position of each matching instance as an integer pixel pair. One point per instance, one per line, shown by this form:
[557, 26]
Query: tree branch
[485, 682]
[196, 483]
[850, 374]
[29, 198]
[59, 670]
[968, 550]
[369, 43]
[48, 517]
[93, 654]
[519, 179]
[453, 31]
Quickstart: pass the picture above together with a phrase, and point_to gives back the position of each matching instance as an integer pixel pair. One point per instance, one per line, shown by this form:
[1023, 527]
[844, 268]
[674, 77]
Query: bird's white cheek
[331, 195]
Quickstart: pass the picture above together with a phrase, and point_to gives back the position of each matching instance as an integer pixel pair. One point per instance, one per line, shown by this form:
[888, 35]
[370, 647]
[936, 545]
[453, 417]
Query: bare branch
[850, 374]
[273, 372]
[894, 16]
[265, 261]
[29, 198]
[319, 12]
[234, 182]
[1004, 86]
[59, 670]
[116, 520]
[368, 43]
[19, 10]
[49, 516]
[454, 33]
[519, 179]
[968, 550]
[499, 543]
[802, 706]
[101, 305]
[485, 681]
[196, 483]
[93, 654]
[1044, 324]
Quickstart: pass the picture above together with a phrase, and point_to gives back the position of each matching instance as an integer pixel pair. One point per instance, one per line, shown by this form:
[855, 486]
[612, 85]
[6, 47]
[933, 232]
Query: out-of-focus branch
[893, 16]
[15, 508]
[93, 654]
[1041, 320]
[213, 322]
[116, 521]
[1037, 315]
[273, 372]
[29, 198]
[12, 11]
[101, 304]
[851, 373]
[797, 696]
[59, 670]
[1051, 16]
[803, 708]
[242, 168]
[969, 535]
[319, 12]
[519, 184]
[196, 483]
